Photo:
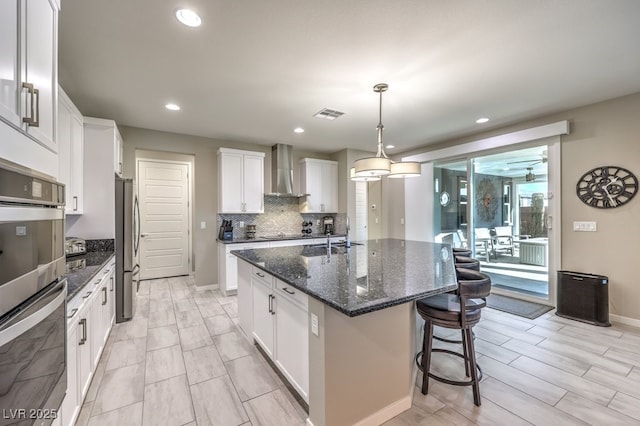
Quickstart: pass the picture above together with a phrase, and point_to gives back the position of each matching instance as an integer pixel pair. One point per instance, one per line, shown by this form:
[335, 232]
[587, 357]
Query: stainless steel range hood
[282, 172]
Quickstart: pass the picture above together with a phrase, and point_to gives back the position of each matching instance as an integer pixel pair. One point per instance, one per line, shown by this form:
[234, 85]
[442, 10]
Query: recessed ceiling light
[482, 120]
[188, 17]
[298, 130]
[390, 146]
[172, 107]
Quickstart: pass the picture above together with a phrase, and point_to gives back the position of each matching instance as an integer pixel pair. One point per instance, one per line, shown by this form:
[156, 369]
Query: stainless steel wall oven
[33, 295]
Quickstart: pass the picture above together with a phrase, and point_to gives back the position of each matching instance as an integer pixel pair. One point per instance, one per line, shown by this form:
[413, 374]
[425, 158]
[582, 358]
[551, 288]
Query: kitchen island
[340, 324]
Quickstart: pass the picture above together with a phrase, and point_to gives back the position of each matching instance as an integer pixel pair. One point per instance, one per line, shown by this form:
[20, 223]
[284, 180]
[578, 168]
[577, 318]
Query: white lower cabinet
[292, 336]
[228, 264]
[276, 316]
[263, 310]
[89, 321]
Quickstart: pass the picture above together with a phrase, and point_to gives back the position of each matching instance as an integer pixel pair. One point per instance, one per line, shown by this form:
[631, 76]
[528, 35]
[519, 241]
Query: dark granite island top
[365, 278]
[354, 339]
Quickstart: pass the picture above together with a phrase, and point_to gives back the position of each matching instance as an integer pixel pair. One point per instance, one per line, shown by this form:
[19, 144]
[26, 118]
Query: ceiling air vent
[328, 114]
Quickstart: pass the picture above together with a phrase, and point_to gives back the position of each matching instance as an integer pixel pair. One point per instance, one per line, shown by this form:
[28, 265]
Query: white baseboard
[207, 287]
[624, 320]
[387, 413]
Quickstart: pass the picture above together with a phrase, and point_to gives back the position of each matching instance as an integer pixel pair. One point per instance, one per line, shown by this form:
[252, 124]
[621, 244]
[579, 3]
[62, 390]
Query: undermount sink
[336, 244]
[281, 236]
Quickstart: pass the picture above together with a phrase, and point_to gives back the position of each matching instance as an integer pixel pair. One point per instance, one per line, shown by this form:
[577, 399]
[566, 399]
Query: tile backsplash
[281, 215]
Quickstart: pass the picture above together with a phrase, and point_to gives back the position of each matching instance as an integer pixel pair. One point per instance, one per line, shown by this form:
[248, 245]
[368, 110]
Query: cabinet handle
[37, 93]
[288, 291]
[83, 323]
[104, 296]
[75, 203]
[73, 312]
[29, 120]
[86, 295]
[260, 275]
[271, 299]
[111, 284]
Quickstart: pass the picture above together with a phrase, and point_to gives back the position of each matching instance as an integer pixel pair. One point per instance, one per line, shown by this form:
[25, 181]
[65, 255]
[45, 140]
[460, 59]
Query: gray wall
[606, 133]
[205, 188]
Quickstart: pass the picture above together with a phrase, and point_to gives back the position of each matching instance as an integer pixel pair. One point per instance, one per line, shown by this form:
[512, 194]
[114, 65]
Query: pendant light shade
[404, 169]
[373, 168]
[352, 175]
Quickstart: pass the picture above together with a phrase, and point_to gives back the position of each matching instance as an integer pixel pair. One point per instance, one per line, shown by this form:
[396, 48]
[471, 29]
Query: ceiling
[255, 70]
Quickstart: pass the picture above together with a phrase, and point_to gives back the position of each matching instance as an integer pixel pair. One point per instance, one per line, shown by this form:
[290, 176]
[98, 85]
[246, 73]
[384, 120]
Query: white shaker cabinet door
[9, 72]
[263, 304]
[292, 344]
[40, 68]
[253, 184]
[230, 195]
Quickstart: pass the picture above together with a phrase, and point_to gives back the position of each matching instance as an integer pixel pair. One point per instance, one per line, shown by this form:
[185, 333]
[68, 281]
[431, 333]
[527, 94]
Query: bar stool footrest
[444, 379]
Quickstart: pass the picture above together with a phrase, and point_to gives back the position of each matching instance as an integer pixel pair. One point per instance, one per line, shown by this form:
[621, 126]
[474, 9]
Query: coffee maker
[327, 225]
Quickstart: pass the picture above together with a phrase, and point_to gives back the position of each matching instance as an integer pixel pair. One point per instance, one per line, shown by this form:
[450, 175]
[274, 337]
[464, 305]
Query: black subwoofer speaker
[583, 297]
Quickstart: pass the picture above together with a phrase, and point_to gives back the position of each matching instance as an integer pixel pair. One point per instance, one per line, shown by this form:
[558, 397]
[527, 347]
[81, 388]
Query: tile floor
[184, 361]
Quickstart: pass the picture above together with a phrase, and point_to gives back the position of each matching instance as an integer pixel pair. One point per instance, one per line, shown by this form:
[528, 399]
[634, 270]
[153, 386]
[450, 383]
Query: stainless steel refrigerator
[127, 243]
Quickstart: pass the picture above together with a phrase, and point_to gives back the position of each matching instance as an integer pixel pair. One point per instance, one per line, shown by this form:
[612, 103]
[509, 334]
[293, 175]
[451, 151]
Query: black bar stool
[457, 311]
[458, 251]
[466, 262]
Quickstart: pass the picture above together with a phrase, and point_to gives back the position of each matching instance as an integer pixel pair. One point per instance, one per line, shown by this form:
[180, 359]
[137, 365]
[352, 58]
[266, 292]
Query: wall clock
[444, 198]
[607, 187]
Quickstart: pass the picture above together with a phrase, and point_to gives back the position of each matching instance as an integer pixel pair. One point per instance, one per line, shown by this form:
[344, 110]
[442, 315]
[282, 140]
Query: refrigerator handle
[136, 225]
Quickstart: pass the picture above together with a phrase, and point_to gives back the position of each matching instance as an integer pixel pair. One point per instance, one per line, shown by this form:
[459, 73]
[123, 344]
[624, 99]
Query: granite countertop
[375, 275]
[76, 280]
[266, 238]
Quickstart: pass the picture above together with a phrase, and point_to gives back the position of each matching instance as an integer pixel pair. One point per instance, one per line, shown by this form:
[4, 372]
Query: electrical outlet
[585, 226]
[241, 224]
[402, 221]
[314, 324]
[203, 225]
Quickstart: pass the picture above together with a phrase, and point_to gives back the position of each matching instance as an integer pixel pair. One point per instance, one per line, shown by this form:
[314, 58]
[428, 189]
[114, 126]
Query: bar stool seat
[457, 311]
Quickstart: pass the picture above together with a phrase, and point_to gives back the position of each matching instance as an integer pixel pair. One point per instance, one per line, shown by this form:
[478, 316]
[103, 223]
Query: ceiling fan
[530, 177]
[543, 159]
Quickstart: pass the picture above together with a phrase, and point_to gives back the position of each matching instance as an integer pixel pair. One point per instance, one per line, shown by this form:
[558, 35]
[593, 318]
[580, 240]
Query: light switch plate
[585, 226]
[203, 225]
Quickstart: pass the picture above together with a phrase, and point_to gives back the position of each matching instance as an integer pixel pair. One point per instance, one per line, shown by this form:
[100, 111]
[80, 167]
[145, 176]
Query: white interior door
[164, 219]
[360, 226]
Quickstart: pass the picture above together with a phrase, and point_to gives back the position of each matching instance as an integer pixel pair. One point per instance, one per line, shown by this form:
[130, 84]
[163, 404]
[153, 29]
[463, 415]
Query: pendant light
[352, 175]
[373, 168]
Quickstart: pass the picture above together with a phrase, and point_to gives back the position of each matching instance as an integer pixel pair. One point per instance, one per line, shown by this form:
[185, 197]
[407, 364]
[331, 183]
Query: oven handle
[20, 325]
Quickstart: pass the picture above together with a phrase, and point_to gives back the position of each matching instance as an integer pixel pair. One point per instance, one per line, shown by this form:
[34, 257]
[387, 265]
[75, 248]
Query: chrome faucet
[348, 240]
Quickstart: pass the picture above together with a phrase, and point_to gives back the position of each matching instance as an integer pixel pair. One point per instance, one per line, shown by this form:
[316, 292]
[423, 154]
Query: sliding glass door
[498, 206]
[511, 207]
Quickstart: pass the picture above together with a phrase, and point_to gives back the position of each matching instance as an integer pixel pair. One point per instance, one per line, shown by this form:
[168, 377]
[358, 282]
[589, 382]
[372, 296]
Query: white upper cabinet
[118, 154]
[70, 153]
[319, 179]
[9, 64]
[240, 181]
[28, 83]
[40, 77]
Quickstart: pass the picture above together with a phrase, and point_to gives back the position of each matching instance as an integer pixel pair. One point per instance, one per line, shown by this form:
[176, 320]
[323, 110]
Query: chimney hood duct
[282, 172]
